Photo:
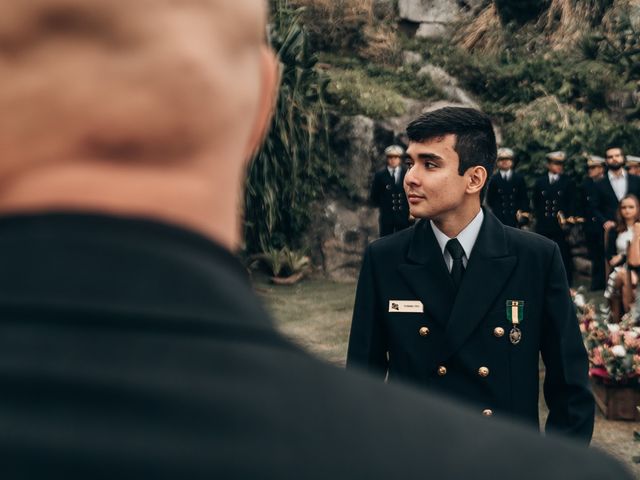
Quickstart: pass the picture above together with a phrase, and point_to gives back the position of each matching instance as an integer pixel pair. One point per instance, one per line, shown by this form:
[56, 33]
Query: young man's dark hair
[475, 139]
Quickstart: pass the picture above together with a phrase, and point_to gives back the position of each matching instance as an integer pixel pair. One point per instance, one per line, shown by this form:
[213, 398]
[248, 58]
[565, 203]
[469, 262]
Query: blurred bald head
[146, 83]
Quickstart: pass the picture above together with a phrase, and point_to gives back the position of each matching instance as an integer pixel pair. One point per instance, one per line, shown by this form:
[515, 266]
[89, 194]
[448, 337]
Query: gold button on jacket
[442, 371]
[498, 332]
[487, 412]
[483, 371]
[424, 331]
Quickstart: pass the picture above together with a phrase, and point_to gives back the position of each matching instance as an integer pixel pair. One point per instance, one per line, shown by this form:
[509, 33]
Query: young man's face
[432, 183]
[393, 160]
[615, 158]
[555, 166]
[504, 164]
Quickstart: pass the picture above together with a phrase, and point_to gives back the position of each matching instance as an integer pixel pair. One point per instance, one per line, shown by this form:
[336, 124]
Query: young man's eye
[430, 165]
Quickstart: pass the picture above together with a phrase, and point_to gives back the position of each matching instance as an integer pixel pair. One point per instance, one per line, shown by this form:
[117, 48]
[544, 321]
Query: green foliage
[617, 44]
[353, 92]
[294, 165]
[373, 90]
[547, 125]
[281, 262]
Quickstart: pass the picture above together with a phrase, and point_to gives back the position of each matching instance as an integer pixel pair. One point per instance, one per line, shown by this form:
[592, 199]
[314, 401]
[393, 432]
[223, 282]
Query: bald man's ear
[270, 83]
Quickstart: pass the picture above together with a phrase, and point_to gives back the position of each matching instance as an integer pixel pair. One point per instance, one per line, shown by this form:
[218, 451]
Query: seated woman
[622, 280]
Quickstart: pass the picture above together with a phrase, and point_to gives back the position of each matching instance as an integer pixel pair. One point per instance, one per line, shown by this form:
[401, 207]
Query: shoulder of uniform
[392, 243]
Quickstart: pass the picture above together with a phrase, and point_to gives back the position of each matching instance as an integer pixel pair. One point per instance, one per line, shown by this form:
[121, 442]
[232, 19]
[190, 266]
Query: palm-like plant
[293, 166]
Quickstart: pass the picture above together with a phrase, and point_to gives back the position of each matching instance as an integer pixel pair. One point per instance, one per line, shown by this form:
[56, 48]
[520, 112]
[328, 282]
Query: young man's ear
[477, 179]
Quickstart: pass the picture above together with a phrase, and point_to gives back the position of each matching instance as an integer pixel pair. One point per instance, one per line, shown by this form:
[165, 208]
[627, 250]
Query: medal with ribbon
[515, 314]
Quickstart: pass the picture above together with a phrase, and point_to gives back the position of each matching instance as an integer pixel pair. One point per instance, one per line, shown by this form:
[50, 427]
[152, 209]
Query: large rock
[340, 235]
[448, 84]
[429, 11]
[360, 142]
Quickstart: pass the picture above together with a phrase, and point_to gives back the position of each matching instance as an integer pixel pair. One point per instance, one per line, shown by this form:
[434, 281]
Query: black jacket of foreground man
[461, 344]
[133, 349]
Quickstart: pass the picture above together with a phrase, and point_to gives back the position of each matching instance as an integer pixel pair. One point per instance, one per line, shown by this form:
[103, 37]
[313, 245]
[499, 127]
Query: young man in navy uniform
[462, 304]
[507, 192]
[388, 195]
[553, 203]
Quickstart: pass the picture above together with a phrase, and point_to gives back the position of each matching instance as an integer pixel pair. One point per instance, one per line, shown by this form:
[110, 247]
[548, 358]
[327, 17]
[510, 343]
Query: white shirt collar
[506, 174]
[553, 177]
[613, 177]
[467, 237]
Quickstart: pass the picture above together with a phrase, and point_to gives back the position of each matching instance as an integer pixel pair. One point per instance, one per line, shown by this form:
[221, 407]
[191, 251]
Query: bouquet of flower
[613, 348]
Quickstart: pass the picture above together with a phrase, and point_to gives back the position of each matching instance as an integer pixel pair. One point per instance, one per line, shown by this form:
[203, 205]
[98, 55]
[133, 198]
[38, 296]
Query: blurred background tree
[294, 165]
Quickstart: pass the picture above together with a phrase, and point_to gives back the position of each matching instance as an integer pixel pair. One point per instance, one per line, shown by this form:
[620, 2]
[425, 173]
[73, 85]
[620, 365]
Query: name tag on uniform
[405, 306]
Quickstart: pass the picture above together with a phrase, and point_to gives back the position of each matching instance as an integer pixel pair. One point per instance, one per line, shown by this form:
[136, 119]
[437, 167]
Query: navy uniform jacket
[390, 198]
[506, 197]
[591, 225]
[134, 349]
[460, 345]
[605, 202]
[549, 199]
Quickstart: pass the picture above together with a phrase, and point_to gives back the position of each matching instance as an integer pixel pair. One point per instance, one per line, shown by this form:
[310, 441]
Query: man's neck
[178, 196]
[452, 223]
[617, 173]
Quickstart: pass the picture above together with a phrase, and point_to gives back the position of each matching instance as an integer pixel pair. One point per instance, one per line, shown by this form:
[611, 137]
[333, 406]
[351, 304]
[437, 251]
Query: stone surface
[411, 58]
[354, 142]
[431, 30]
[448, 84]
[341, 234]
[430, 11]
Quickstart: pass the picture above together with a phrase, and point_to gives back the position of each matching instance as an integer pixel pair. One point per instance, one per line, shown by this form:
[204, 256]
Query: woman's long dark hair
[621, 224]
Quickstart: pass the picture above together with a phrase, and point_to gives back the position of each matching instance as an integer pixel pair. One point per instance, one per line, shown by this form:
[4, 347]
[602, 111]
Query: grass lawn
[316, 314]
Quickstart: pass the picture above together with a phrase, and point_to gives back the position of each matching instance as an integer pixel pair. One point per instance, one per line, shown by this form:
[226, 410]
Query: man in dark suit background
[507, 192]
[131, 342]
[553, 203]
[612, 187]
[463, 305]
[388, 195]
[593, 232]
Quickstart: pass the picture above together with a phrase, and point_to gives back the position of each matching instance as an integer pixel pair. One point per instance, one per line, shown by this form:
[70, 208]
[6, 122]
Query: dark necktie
[457, 268]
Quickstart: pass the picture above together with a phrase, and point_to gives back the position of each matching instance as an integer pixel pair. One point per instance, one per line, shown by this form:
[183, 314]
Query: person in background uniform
[553, 203]
[507, 192]
[388, 195]
[461, 304]
[633, 165]
[608, 191]
[593, 233]
[132, 342]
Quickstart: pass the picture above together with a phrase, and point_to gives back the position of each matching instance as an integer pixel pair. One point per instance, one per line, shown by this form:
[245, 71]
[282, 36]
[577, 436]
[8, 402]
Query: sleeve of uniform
[571, 195]
[596, 204]
[374, 195]
[491, 193]
[367, 341]
[536, 195]
[523, 198]
[566, 384]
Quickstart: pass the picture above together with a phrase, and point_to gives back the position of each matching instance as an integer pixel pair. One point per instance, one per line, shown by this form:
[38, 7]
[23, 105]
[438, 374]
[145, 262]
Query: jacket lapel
[427, 275]
[487, 272]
